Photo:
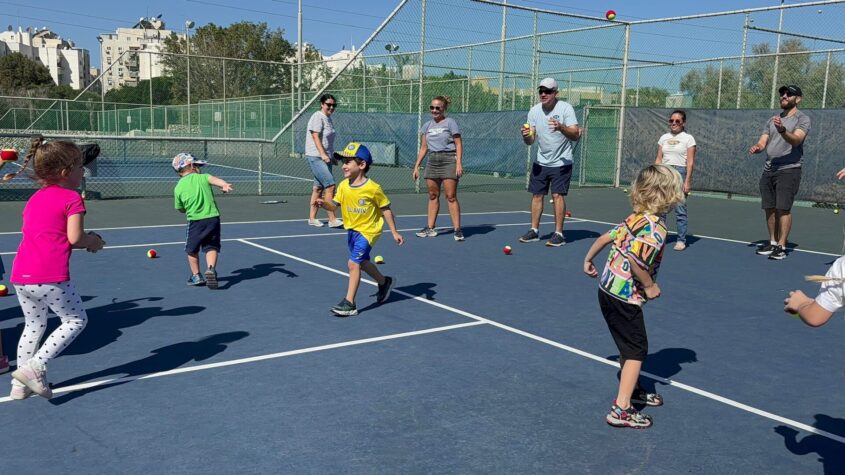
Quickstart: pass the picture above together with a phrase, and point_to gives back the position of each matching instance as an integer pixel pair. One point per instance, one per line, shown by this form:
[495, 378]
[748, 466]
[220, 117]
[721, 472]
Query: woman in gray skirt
[440, 138]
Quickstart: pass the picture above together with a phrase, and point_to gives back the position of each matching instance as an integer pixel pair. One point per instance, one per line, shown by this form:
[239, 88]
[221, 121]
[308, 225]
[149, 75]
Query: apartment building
[67, 64]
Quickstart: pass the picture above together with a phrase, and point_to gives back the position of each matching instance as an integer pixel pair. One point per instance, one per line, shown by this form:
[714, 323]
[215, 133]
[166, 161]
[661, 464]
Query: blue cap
[355, 150]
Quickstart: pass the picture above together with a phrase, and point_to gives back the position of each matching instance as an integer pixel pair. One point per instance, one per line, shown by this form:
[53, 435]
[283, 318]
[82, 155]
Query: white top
[832, 295]
[553, 148]
[675, 148]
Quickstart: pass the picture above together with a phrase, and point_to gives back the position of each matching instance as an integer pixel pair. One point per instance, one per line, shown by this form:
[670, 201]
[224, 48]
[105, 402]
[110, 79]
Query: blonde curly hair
[656, 190]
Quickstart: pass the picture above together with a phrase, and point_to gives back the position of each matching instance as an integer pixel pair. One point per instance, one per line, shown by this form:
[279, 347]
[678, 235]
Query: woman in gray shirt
[319, 148]
[440, 138]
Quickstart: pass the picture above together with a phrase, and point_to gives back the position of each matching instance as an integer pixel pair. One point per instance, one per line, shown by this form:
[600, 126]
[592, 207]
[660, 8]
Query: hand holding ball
[152, 254]
[507, 250]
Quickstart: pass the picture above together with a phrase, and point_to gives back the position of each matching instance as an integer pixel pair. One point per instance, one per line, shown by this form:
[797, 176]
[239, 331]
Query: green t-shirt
[194, 195]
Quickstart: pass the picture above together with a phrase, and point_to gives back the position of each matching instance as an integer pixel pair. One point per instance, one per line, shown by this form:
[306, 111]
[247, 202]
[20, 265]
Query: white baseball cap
[549, 83]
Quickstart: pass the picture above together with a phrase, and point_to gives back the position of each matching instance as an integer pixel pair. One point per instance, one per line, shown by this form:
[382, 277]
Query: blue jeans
[681, 210]
[322, 172]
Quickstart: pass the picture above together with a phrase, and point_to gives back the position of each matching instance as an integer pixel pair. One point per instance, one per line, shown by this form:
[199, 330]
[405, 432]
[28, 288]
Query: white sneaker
[315, 222]
[680, 246]
[34, 375]
[19, 391]
[337, 223]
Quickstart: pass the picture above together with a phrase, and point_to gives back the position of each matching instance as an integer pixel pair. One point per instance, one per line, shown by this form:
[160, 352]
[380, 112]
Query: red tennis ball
[610, 15]
[568, 214]
[8, 155]
[4, 291]
[507, 250]
[152, 254]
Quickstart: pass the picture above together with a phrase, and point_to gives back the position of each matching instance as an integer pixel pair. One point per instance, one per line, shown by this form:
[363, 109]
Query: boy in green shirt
[194, 197]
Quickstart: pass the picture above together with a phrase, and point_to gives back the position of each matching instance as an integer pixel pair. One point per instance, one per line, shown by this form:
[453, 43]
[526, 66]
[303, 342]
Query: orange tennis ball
[8, 155]
[152, 254]
[610, 15]
[507, 250]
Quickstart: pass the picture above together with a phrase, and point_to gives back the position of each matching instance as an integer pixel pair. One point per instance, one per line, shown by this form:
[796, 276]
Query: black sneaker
[765, 249]
[556, 240]
[345, 309]
[196, 280]
[647, 398]
[211, 278]
[778, 253]
[384, 289]
[618, 417]
[530, 236]
[459, 235]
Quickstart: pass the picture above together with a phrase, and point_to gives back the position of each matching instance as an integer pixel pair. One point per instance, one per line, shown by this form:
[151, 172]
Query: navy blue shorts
[543, 177]
[203, 234]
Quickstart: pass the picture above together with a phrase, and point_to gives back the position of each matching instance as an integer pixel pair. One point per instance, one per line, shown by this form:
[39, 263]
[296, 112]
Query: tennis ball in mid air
[152, 254]
[610, 15]
[379, 260]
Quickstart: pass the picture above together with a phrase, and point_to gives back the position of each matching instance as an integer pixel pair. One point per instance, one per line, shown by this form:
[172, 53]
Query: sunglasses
[330, 105]
[435, 108]
[788, 94]
[543, 90]
[672, 121]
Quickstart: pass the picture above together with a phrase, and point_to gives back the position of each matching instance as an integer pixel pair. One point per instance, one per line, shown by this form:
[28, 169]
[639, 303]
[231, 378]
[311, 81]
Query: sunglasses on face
[543, 90]
[330, 105]
[673, 121]
[435, 108]
[787, 94]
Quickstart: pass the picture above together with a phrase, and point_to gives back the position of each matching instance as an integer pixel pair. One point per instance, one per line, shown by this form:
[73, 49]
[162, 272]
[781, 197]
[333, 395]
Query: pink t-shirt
[44, 253]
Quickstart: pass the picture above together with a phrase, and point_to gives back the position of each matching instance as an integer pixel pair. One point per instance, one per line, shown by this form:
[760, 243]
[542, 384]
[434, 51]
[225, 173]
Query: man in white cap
[553, 126]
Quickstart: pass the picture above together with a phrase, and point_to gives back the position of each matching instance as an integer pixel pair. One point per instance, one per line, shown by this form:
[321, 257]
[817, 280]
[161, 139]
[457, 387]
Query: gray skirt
[441, 165]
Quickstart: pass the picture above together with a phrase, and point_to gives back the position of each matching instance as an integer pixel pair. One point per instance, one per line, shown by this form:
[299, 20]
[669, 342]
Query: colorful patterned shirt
[640, 238]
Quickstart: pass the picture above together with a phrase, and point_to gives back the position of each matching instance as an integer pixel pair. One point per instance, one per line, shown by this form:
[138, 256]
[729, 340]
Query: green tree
[707, 90]
[19, 72]
[648, 97]
[140, 94]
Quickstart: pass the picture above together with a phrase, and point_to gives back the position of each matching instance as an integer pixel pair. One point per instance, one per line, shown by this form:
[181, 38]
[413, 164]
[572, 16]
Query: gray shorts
[441, 165]
[778, 188]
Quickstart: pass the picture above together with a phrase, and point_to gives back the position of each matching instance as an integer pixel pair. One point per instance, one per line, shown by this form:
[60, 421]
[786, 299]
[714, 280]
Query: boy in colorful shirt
[365, 208]
[194, 197]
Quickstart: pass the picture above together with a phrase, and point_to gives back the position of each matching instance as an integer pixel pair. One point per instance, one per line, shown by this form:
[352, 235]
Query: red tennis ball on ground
[507, 250]
[568, 214]
[152, 254]
[610, 15]
[4, 291]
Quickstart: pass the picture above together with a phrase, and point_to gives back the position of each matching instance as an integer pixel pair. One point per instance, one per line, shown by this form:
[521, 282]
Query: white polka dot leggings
[63, 300]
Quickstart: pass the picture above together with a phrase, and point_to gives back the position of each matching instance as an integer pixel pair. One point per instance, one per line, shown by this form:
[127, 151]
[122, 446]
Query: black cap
[792, 89]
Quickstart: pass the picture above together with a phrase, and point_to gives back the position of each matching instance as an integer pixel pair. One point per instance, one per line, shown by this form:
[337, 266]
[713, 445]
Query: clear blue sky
[329, 25]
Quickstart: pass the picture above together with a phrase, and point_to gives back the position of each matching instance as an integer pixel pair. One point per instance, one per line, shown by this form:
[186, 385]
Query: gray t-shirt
[782, 155]
[322, 124]
[553, 148]
[440, 136]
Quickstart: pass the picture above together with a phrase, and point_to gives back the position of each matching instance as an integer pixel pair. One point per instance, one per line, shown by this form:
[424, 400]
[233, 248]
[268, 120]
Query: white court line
[182, 224]
[253, 359]
[686, 387]
[714, 238]
[260, 238]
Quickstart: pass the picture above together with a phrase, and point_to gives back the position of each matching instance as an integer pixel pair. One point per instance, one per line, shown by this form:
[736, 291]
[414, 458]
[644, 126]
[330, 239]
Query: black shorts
[203, 233]
[778, 188]
[542, 177]
[627, 326]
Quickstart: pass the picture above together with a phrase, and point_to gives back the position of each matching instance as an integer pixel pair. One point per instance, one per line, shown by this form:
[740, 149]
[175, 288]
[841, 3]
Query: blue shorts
[322, 172]
[203, 234]
[359, 247]
[542, 177]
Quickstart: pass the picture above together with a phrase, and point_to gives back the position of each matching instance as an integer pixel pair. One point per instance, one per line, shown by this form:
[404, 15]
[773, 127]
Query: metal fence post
[260, 168]
[742, 61]
[502, 53]
[622, 100]
[421, 75]
[719, 93]
[777, 60]
[826, 77]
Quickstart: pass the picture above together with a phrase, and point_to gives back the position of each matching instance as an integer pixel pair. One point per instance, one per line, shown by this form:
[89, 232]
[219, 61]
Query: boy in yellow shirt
[365, 208]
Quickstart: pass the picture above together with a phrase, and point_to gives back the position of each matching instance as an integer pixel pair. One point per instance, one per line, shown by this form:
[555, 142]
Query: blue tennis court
[479, 361]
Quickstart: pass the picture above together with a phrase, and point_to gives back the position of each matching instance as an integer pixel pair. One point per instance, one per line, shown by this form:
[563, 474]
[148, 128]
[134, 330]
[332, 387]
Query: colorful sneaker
[4, 364]
[19, 391]
[680, 246]
[337, 223]
[426, 232]
[778, 253]
[459, 235]
[556, 240]
[211, 278]
[618, 417]
[315, 222]
[384, 289]
[530, 236]
[196, 280]
[345, 309]
[647, 398]
[34, 375]
[765, 249]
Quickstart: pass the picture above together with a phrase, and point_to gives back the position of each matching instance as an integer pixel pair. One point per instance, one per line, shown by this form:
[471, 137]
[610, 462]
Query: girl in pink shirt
[52, 227]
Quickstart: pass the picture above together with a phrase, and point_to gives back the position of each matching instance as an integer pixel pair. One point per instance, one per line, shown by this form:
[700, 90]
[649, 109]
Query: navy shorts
[544, 177]
[627, 326]
[203, 234]
[778, 188]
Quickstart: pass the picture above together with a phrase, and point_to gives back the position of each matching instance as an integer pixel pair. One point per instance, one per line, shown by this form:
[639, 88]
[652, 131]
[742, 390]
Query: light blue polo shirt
[553, 148]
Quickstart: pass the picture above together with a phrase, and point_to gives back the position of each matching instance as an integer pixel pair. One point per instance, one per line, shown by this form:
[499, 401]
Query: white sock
[535, 230]
[773, 243]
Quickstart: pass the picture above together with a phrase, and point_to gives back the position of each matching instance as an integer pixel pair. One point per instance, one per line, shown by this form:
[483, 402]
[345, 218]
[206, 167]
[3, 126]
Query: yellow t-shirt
[361, 208]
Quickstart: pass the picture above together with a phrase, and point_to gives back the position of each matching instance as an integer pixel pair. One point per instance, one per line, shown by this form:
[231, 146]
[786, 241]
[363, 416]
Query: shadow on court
[572, 235]
[258, 271]
[665, 363]
[479, 230]
[422, 289]
[162, 359]
[831, 452]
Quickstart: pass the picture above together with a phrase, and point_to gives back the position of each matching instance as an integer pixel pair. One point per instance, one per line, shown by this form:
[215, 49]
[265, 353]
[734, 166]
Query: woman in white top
[677, 149]
[319, 148]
